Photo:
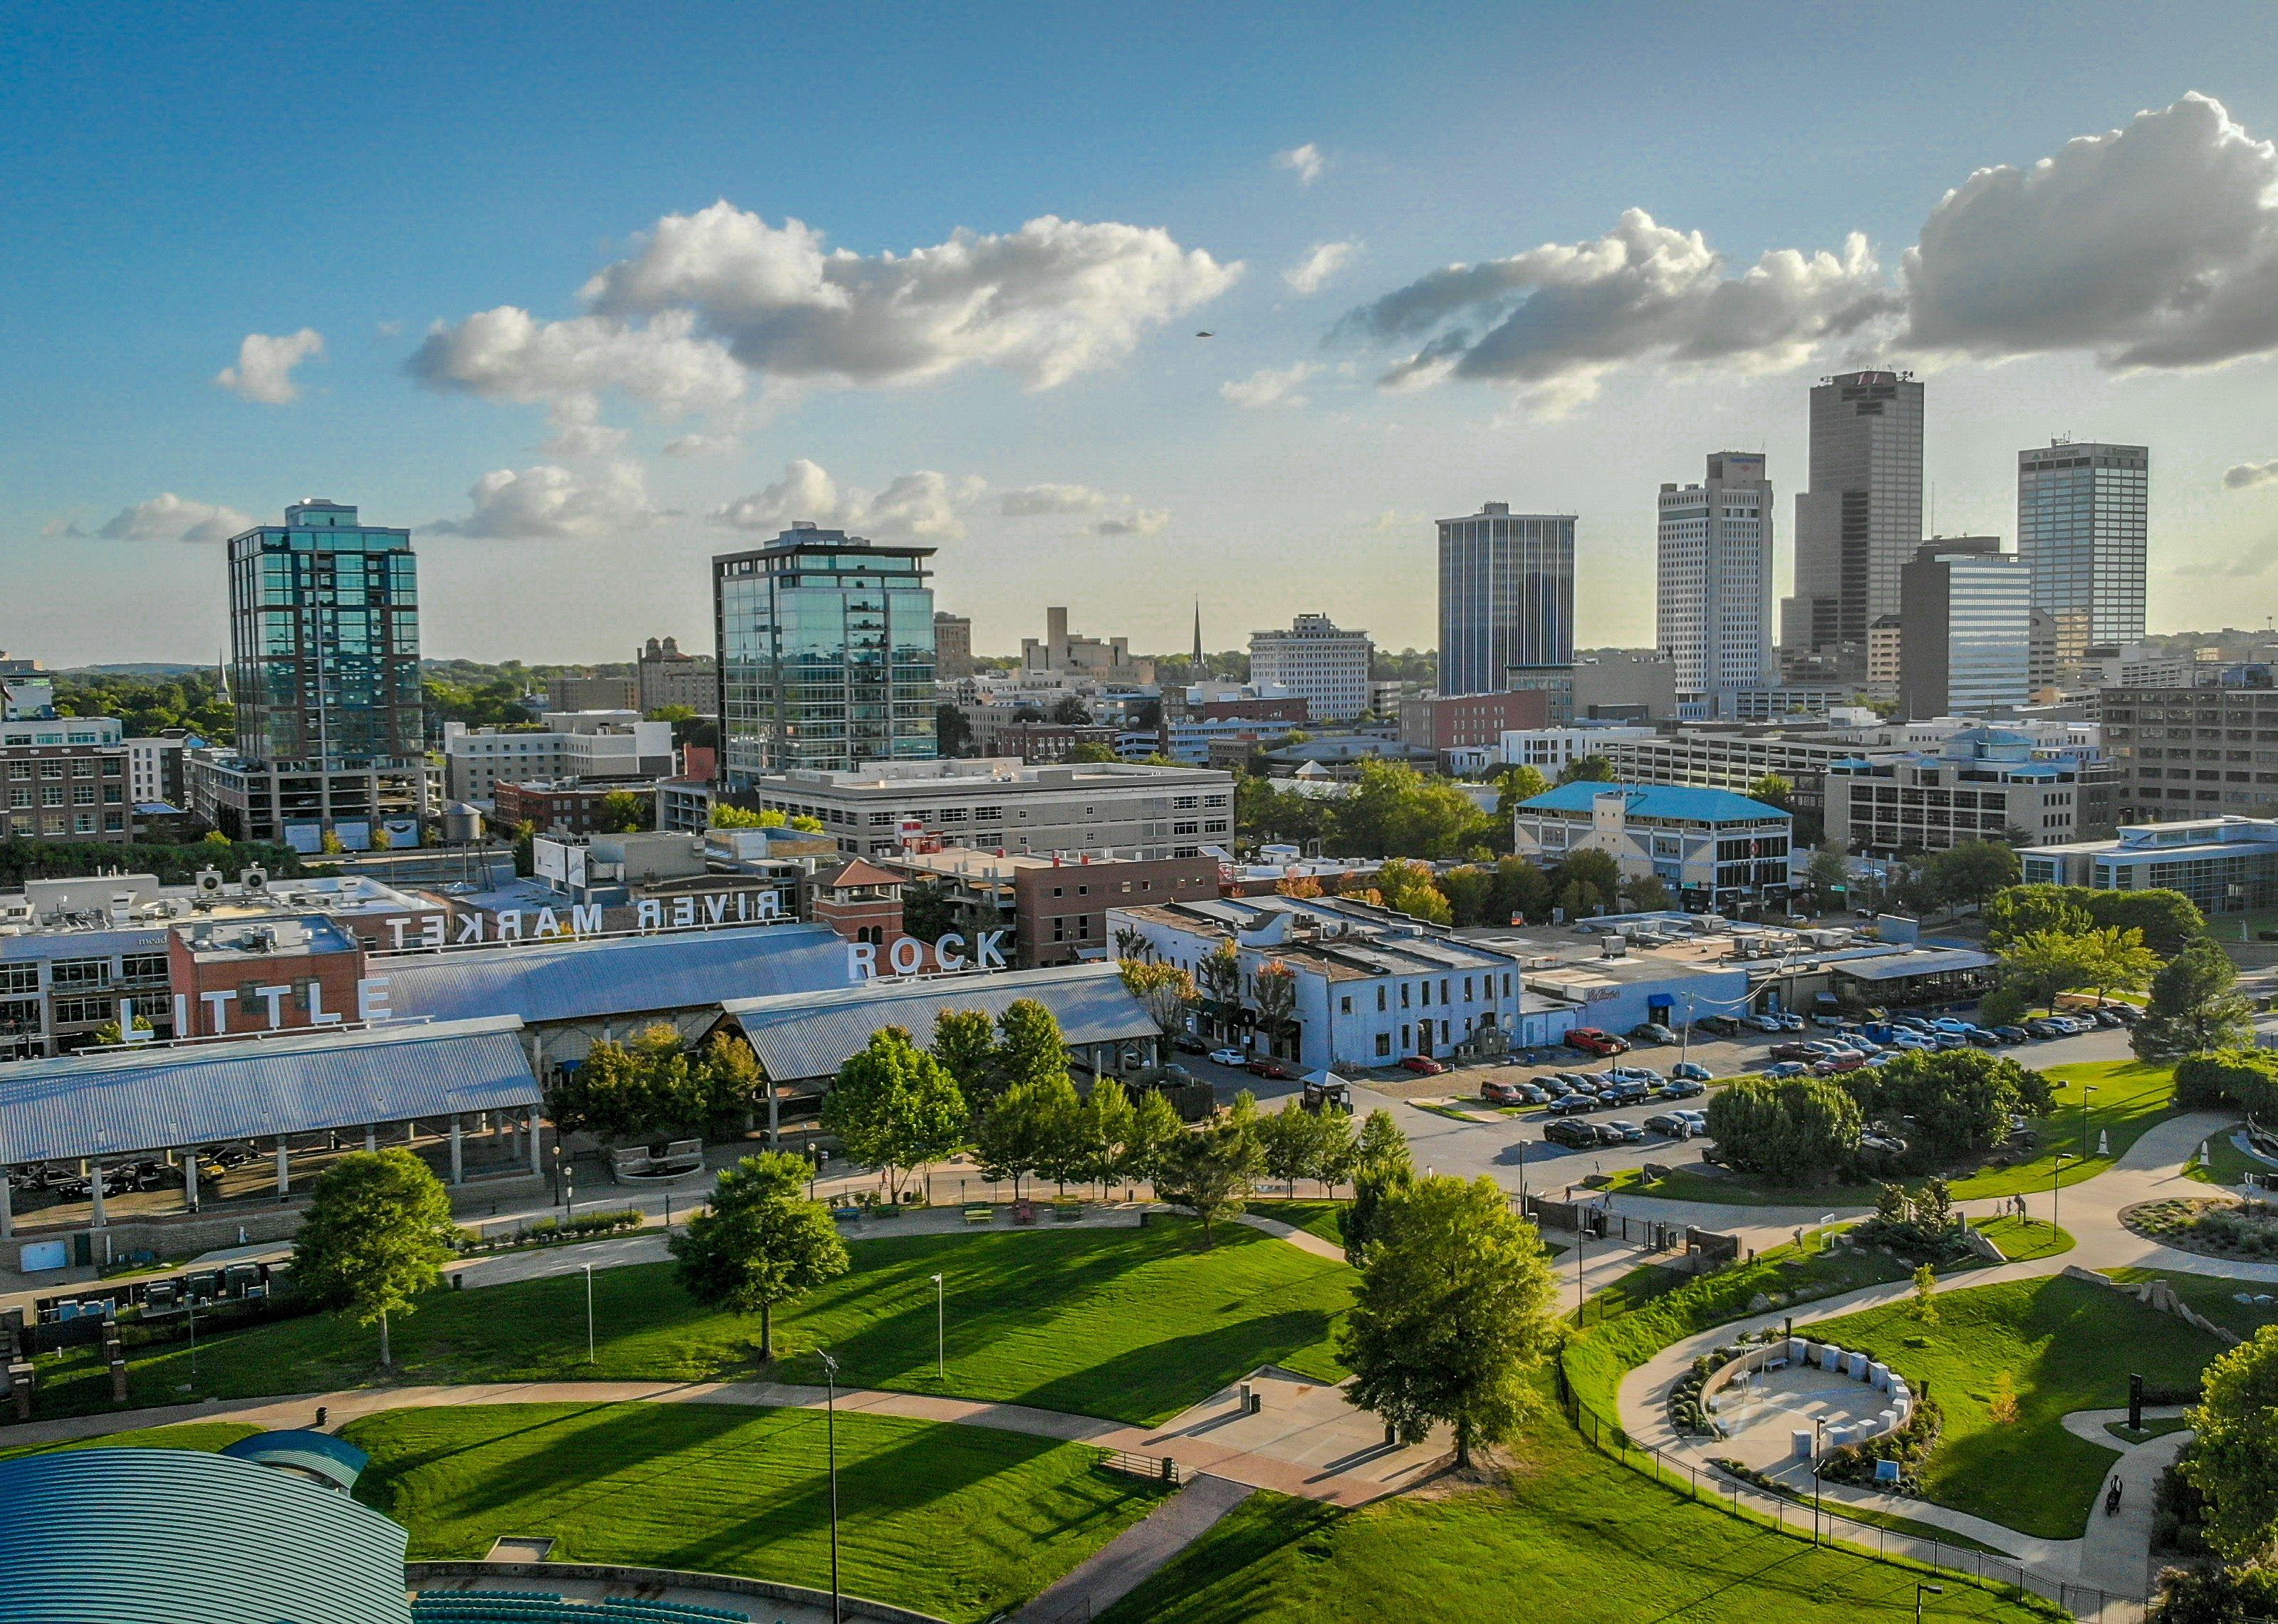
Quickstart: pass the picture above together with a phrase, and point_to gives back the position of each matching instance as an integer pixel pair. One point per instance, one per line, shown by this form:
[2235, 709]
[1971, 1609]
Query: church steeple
[1198, 636]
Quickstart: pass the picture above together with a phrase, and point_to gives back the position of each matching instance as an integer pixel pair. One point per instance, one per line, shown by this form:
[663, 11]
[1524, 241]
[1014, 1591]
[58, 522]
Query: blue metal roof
[319, 1454]
[161, 1535]
[812, 1035]
[159, 1098]
[1679, 803]
[570, 980]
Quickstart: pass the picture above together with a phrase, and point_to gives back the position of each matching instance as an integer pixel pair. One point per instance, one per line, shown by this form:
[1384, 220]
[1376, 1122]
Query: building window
[80, 972]
[1384, 1044]
[1344, 1004]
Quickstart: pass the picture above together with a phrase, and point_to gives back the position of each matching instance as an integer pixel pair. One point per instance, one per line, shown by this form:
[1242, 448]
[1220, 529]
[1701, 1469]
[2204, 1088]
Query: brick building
[279, 975]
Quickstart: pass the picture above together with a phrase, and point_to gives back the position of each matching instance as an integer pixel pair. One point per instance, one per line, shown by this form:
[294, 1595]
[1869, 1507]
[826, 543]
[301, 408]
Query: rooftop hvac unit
[208, 882]
[253, 881]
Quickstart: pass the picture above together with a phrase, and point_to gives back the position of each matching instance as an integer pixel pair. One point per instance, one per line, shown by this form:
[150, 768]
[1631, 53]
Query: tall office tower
[1318, 661]
[1966, 612]
[324, 665]
[953, 645]
[1862, 519]
[826, 654]
[1715, 580]
[1506, 599]
[2081, 530]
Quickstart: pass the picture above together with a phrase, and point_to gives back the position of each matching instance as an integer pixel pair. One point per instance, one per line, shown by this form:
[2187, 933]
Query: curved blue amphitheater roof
[319, 1454]
[167, 1536]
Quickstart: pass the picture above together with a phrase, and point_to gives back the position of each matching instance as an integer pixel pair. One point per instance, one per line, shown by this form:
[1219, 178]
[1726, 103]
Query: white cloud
[1310, 274]
[578, 430]
[2153, 246]
[2246, 475]
[1556, 317]
[265, 365]
[700, 446]
[1305, 161]
[1270, 385]
[924, 505]
[168, 517]
[1027, 501]
[551, 503]
[1052, 300]
[1142, 521]
[508, 354]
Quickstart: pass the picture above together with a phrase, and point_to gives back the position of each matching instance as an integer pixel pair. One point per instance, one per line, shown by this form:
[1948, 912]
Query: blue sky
[182, 177]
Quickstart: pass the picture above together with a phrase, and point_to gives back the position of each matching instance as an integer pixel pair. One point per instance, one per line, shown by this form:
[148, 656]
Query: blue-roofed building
[1712, 850]
[1982, 783]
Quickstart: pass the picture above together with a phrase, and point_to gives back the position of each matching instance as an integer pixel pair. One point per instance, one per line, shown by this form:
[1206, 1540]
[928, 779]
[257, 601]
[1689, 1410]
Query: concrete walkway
[1120, 1566]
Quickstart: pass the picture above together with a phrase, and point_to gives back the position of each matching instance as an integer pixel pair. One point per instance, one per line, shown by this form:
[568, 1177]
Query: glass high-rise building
[1506, 599]
[1966, 619]
[1862, 519]
[1714, 587]
[2081, 530]
[324, 671]
[826, 654]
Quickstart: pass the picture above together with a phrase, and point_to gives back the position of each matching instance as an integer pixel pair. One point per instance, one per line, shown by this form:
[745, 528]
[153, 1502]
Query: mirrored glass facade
[1506, 597]
[826, 654]
[2081, 529]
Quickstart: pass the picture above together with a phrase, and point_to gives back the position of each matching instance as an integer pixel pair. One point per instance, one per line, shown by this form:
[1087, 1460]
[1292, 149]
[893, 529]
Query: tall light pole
[2056, 1175]
[940, 1331]
[589, 1312]
[830, 1434]
[1922, 1591]
[1818, 1479]
[2086, 1089]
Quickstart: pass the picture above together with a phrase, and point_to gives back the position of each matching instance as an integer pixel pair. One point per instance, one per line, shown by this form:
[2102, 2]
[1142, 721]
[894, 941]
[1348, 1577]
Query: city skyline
[684, 326]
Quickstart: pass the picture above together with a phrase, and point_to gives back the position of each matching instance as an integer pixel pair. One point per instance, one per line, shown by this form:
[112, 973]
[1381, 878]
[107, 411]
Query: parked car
[1831, 1022]
[1572, 1135]
[1574, 1105]
[1670, 1123]
[1763, 1023]
[1981, 1037]
[1636, 1074]
[1186, 1043]
[1723, 1025]
[1574, 1080]
[2011, 1034]
[1792, 1051]
[1835, 1063]
[1553, 1088]
[1624, 1091]
[1786, 1068]
[1682, 1088]
[1947, 1023]
[1265, 1065]
[1533, 1094]
[1590, 1040]
[1912, 1023]
[1620, 1131]
[1228, 1057]
[1790, 1021]
[1698, 1119]
[1690, 1072]
[1652, 1031]
[1495, 1091]
[1423, 1065]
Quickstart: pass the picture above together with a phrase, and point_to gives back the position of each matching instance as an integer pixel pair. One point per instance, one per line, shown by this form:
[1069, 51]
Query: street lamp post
[1922, 1591]
[2056, 1175]
[589, 1312]
[940, 1330]
[1818, 1479]
[830, 1435]
[2086, 1089]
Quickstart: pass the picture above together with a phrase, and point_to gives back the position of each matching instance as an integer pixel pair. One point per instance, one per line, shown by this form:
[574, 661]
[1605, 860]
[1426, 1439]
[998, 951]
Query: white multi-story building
[1320, 663]
[1550, 751]
[1715, 581]
[154, 770]
[1128, 809]
[581, 744]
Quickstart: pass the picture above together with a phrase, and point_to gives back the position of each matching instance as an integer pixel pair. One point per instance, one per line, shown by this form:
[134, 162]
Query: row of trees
[148, 705]
[64, 859]
[1808, 1129]
[1584, 883]
[1968, 873]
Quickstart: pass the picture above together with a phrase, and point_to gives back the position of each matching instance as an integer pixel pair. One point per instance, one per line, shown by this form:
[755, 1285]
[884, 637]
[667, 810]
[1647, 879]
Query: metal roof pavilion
[807, 1035]
[1902, 966]
[573, 981]
[152, 1098]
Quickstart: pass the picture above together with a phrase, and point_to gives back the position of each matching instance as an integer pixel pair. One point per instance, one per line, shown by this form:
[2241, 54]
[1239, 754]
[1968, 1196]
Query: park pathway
[1120, 1566]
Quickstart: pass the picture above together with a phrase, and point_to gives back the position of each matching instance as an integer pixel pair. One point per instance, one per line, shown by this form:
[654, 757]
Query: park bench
[980, 1213]
[1066, 1210]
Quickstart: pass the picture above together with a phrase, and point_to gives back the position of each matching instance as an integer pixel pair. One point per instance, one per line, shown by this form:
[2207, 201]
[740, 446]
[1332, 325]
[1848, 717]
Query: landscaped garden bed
[2211, 1225]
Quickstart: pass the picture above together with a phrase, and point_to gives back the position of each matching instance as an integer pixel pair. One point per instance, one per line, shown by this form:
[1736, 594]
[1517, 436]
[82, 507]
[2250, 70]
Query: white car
[1228, 1057]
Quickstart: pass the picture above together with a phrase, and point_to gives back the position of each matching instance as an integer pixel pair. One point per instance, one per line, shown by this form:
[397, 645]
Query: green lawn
[1575, 1537]
[2227, 1165]
[2022, 1240]
[958, 1521]
[2149, 1430]
[2129, 1097]
[199, 1435]
[2066, 1346]
[1132, 1324]
[1315, 1217]
[2214, 1296]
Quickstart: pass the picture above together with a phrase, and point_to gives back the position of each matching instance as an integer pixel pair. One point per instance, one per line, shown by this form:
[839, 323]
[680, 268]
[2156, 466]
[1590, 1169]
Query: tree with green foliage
[65, 859]
[1029, 1131]
[651, 1086]
[1029, 1048]
[952, 732]
[1791, 1130]
[893, 1106]
[1220, 972]
[1213, 1168]
[1591, 769]
[1960, 1100]
[1970, 870]
[2215, 1593]
[1167, 991]
[1286, 1139]
[1586, 882]
[1514, 786]
[2246, 1078]
[1410, 889]
[727, 815]
[1090, 751]
[2192, 1008]
[148, 705]
[1397, 811]
[377, 1234]
[965, 1043]
[624, 812]
[1472, 895]
[1453, 1316]
[2168, 919]
[2039, 967]
[2033, 909]
[1381, 1167]
[1105, 1130]
[1522, 891]
[760, 1242]
[2234, 1462]
[525, 849]
[2119, 961]
[1155, 1131]
[1828, 874]
[1644, 894]
[1774, 790]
